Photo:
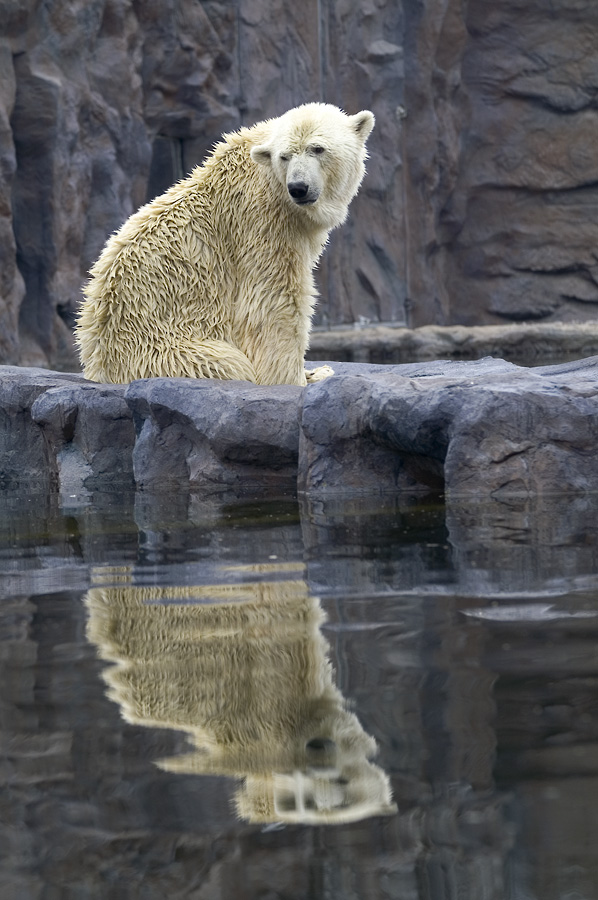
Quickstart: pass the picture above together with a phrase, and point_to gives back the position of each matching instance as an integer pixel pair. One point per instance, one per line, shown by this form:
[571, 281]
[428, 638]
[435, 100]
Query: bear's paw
[318, 374]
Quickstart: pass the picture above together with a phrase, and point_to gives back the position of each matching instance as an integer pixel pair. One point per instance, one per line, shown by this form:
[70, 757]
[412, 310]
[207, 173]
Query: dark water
[369, 698]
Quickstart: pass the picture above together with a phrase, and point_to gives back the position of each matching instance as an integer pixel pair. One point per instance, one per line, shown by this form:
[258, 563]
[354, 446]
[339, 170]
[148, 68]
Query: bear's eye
[318, 150]
[284, 157]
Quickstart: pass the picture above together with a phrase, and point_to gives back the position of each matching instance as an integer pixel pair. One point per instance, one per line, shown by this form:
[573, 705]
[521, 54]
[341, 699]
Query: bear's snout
[300, 192]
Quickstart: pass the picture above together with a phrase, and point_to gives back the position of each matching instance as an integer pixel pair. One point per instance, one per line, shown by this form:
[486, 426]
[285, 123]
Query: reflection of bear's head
[243, 670]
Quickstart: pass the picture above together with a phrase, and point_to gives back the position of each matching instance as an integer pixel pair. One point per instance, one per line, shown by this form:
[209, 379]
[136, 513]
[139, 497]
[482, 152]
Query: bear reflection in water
[243, 670]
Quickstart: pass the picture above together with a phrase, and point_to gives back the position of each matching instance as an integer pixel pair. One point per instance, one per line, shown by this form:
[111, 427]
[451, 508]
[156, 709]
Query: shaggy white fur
[213, 279]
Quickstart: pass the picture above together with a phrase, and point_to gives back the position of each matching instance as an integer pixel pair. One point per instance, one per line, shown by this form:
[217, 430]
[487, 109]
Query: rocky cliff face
[480, 201]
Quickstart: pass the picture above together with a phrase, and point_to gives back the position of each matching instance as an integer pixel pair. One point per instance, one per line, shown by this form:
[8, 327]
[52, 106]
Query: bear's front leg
[318, 374]
[277, 351]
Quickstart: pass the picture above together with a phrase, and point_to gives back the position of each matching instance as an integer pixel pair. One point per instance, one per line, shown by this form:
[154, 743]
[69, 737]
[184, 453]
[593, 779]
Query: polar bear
[213, 279]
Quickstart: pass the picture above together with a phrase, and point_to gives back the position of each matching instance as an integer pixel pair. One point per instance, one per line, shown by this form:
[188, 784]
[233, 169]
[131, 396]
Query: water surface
[363, 698]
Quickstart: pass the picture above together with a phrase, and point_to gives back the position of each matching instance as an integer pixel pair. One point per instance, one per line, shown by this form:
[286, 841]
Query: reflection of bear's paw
[318, 374]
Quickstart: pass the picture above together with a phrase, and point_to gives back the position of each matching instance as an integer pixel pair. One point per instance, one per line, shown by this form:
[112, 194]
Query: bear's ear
[363, 123]
[261, 155]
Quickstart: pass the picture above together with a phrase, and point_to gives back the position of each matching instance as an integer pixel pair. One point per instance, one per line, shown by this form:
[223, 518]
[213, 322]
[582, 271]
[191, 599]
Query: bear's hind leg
[209, 359]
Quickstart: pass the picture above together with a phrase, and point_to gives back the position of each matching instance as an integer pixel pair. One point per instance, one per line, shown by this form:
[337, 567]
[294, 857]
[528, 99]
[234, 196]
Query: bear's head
[316, 154]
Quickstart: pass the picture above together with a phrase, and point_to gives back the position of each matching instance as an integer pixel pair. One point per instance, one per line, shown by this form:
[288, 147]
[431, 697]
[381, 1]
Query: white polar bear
[213, 279]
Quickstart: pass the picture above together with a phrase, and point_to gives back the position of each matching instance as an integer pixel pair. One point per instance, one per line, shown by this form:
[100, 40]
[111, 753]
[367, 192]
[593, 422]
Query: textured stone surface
[90, 431]
[480, 202]
[472, 428]
[215, 435]
[81, 155]
[500, 181]
[525, 344]
[24, 455]
[484, 428]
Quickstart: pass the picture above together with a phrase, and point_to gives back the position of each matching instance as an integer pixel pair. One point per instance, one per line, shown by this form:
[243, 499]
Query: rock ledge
[486, 427]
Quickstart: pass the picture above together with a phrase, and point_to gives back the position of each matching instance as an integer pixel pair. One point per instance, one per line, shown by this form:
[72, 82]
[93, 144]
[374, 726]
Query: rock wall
[521, 225]
[480, 202]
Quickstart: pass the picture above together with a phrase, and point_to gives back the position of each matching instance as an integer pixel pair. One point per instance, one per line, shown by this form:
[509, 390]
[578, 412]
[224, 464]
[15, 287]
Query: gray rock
[526, 344]
[11, 282]
[483, 428]
[215, 435]
[499, 186]
[471, 429]
[25, 456]
[89, 428]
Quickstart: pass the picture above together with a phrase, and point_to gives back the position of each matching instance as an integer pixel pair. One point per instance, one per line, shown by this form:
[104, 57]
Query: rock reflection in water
[243, 669]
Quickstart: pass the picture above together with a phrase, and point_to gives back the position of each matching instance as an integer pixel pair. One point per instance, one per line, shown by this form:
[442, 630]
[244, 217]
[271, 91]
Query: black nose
[298, 190]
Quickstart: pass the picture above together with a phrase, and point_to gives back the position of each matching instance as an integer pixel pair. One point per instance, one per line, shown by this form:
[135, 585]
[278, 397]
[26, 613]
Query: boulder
[470, 428]
[26, 458]
[215, 435]
[89, 428]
